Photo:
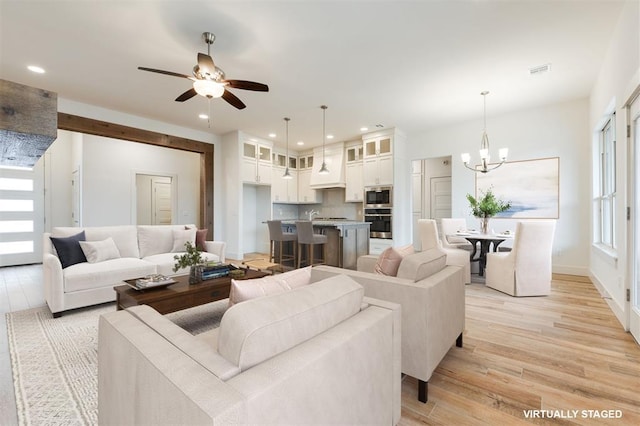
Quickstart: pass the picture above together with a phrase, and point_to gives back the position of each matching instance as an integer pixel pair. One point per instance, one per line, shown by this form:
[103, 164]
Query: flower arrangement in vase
[191, 258]
[485, 207]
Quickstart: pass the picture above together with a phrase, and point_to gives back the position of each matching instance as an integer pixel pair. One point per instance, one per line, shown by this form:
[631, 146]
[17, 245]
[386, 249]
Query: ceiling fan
[209, 80]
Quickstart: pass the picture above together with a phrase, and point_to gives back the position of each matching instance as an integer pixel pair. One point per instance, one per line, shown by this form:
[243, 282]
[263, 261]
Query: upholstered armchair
[526, 269]
[429, 238]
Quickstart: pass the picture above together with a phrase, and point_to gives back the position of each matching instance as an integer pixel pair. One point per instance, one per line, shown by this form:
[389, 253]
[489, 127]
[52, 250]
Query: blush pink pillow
[390, 259]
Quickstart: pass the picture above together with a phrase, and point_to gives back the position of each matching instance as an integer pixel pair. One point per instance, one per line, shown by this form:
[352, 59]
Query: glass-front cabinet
[378, 161]
[256, 162]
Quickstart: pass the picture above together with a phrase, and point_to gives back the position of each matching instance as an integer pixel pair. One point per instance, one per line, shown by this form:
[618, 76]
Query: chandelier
[484, 148]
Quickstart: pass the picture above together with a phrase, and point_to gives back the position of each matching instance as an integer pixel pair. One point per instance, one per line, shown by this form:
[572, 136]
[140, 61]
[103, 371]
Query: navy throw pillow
[69, 250]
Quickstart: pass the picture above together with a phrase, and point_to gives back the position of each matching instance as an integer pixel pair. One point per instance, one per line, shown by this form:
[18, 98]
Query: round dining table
[487, 242]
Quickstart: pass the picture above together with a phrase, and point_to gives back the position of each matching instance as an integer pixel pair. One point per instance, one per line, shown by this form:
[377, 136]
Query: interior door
[161, 201]
[440, 197]
[634, 300]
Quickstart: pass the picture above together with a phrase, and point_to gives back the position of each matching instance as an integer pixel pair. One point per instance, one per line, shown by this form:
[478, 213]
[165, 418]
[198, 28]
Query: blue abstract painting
[532, 187]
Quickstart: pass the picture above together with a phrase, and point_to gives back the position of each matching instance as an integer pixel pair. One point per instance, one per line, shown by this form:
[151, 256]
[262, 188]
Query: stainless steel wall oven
[381, 221]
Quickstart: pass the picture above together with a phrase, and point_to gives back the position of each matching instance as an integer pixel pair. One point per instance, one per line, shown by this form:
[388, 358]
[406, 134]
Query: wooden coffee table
[180, 295]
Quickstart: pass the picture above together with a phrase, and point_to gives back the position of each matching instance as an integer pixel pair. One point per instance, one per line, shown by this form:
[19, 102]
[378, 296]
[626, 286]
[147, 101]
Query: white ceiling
[412, 65]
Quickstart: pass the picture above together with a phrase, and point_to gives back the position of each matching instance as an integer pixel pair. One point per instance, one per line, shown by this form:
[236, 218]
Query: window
[605, 200]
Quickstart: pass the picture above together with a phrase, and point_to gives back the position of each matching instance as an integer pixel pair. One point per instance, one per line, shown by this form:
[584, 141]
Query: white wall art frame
[531, 186]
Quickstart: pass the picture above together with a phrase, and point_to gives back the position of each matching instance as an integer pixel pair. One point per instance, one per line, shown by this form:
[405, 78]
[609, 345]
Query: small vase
[484, 225]
[195, 274]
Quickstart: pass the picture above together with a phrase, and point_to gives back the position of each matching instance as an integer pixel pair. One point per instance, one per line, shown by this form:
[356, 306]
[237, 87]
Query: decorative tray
[149, 282]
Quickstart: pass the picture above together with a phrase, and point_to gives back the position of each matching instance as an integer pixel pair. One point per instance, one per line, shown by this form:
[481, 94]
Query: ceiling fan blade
[248, 85]
[206, 64]
[187, 95]
[233, 99]
[174, 74]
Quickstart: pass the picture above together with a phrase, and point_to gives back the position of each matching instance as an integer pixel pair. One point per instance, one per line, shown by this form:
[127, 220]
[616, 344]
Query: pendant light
[287, 174]
[323, 169]
[484, 148]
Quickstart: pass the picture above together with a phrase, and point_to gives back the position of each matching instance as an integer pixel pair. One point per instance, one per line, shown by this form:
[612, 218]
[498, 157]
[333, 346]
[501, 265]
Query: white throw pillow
[242, 290]
[99, 251]
[181, 237]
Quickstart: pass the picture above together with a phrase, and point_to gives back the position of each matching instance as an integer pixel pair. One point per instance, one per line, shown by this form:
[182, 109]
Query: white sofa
[143, 250]
[318, 354]
[432, 296]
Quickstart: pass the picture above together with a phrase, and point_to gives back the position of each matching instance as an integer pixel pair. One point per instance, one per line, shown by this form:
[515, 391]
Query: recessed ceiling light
[329, 136]
[272, 135]
[300, 143]
[364, 129]
[203, 116]
[36, 69]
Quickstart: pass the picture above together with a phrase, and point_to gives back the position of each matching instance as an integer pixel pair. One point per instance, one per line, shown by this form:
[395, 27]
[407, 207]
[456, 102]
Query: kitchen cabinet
[354, 191]
[256, 163]
[305, 193]
[284, 190]
[378, 161]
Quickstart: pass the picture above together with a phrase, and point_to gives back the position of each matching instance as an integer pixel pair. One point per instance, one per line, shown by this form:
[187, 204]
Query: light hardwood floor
[564, 352]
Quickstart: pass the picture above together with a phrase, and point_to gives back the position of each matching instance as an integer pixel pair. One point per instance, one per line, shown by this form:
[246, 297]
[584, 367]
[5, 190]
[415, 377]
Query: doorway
[634, 299]
[154, 199]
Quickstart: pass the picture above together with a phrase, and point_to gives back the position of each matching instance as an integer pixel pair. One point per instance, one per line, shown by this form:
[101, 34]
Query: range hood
[28, 123]
[334, 158]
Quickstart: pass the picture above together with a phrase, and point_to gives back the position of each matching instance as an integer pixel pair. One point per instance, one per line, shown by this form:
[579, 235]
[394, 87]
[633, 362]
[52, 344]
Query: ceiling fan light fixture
[208, 88]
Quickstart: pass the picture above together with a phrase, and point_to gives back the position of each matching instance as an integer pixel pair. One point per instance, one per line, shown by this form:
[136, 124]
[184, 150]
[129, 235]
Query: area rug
[55, 360]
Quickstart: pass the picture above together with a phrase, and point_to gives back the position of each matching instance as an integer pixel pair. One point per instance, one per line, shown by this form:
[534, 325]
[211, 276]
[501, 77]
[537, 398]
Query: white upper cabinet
[354, 189]
[256, 162]
[305, 193]
[378, 161]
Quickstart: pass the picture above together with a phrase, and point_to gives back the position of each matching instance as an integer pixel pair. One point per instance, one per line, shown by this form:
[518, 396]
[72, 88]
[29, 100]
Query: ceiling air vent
[540, 69]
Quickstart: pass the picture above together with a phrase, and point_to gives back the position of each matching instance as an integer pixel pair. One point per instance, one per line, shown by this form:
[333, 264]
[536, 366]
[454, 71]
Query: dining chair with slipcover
[526, 269]
[429, 238]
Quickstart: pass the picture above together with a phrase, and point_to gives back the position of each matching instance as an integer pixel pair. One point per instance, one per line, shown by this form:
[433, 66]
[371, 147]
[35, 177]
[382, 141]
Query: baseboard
[617, 310]
[570, 270]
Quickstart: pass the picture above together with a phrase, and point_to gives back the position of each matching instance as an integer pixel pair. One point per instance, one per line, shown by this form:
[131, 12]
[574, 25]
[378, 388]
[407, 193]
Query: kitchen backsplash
[333, 205]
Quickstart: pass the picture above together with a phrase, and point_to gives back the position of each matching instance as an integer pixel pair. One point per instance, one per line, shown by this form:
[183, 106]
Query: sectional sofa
[139, 251]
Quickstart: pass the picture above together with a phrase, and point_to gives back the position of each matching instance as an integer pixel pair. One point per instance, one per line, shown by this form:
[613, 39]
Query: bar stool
[306, 236]
[276, 235]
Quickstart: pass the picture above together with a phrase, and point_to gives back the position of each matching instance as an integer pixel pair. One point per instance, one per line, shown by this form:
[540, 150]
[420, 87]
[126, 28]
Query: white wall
[58, 168]
[559, 130]
[108, 179]
[619, 76]
[111, 116]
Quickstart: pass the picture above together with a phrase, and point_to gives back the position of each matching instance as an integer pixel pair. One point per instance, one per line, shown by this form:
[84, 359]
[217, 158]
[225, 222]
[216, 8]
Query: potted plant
[486, 207]
[191, 258]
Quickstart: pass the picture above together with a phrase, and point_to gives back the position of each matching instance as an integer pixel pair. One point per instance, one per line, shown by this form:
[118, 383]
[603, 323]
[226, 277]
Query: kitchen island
[346, 240]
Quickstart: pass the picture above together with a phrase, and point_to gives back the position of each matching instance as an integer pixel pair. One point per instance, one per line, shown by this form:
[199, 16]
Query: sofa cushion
[389, 260]
[69, 250]
[85, 276]
[421, 265]
[258, 329]
[164, 262]
[99, 251]
[181, 237]
[242, 290]
[201, 237]
[124, 236]
[155, 239]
